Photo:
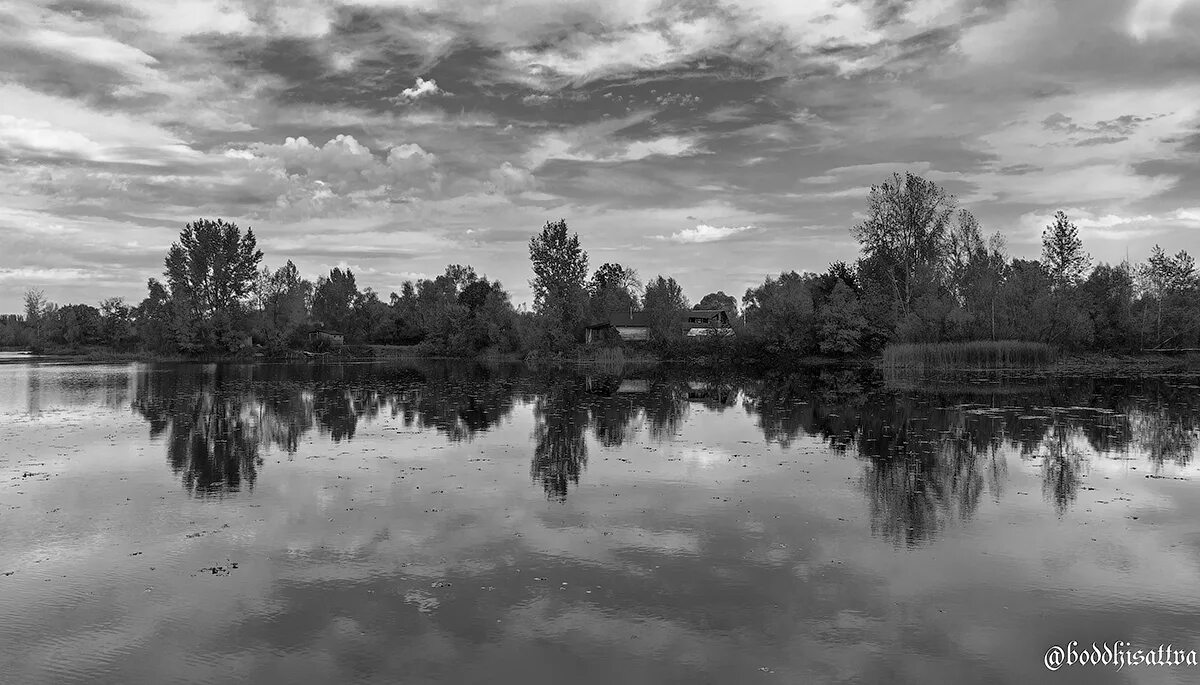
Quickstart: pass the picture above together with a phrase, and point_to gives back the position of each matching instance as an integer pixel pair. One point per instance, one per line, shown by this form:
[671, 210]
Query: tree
[211, 272]
[841, 322]
[1024, 308]
[283, 297]
[77, 324]
[333, 299]
[212, 268]
[613, 290]
[116, 323]
[719, 300]
[36, 308]
[780, 313]
[1168, 286]
[1108, 293]
[461, 312]
[964, 249]
[664, 302]
[559, 269]
[1062, 252]
[154, 317]
[370, 318]
[904, 236]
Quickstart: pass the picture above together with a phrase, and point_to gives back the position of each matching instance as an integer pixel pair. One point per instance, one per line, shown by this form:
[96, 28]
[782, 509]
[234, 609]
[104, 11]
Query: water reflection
[930, 454]
[559, 448]
[213, 430]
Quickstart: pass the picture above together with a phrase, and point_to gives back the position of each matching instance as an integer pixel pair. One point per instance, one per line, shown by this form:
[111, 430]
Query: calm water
[460, 524]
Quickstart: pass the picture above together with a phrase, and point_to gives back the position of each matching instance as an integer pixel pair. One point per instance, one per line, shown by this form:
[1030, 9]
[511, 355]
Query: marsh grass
[979, 354]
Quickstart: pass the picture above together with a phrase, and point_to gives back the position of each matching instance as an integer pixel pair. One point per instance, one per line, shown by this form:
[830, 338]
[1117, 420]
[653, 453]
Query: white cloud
[421, 89]
[582, 58]
[341, 175]
[65, 127]
[20, 137]
[1115, 228]
[598, 143]
[704, 233]
[342, 164]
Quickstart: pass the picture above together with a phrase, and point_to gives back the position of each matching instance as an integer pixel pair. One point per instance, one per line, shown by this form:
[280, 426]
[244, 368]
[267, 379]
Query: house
[707, 322]
[631, 326]
[636, 325]
[331, 338]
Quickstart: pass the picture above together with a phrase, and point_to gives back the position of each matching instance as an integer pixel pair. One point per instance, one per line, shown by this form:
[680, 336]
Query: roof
[623, 320]
[719, 316]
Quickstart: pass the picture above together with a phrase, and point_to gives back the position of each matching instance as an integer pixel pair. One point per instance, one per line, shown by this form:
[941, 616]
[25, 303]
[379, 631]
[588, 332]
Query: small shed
[631, 326]
[332, 338]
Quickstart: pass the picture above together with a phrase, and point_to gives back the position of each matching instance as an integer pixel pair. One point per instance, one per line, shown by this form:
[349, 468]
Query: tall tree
[905, 236]
[212, 268]
[559, 269]
[1062, 252]
[36, 308]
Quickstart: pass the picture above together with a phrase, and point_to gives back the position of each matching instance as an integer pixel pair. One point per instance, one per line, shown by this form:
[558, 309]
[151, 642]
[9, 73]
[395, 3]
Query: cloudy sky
[713, 140]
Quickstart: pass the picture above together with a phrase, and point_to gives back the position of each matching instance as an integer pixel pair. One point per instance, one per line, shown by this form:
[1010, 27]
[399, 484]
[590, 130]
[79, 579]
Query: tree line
[925, 273]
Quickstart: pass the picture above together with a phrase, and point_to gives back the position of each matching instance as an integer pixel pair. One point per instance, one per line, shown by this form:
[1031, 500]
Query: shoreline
[1084, 364]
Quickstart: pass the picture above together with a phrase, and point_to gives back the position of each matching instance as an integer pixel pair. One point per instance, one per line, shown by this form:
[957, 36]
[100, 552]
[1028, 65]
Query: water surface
[439, 522]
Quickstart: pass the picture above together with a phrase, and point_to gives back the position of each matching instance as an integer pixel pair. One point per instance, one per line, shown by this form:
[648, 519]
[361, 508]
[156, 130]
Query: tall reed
[978, 354]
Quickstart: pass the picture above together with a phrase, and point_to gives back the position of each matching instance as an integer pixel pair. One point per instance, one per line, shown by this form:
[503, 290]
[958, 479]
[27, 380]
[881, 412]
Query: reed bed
[979, 354]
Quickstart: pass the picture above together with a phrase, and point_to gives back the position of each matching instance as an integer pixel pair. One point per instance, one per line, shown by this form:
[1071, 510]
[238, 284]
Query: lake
[447, 522]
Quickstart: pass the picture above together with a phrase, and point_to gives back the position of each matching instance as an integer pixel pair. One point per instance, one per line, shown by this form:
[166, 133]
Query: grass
[978, 354]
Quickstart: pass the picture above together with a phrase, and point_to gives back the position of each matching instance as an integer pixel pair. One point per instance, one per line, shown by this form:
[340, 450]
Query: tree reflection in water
[931, 452]
[559, 449]
[213, 433]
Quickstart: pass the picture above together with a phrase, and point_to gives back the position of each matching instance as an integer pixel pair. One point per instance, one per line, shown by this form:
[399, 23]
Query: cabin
[624, 327]
[707, 322]
[331, 338]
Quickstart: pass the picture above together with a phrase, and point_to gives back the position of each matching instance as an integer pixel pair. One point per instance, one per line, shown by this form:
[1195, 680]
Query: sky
[715, 141]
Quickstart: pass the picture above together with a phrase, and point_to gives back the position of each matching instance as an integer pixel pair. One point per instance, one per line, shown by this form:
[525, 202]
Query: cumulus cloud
[307, 179]
[420, 89]
[704, 233]
[342, 163]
